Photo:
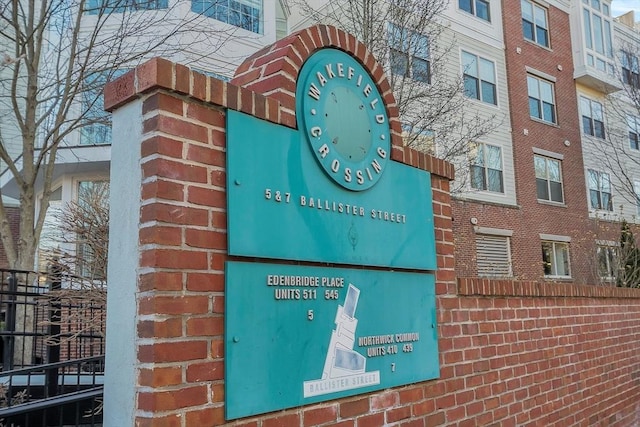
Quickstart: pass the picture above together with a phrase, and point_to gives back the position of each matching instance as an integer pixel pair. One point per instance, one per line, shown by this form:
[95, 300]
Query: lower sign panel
[297, 334]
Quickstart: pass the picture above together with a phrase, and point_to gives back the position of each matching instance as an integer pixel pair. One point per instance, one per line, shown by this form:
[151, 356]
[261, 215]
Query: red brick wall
[505, 359]
[13, 215]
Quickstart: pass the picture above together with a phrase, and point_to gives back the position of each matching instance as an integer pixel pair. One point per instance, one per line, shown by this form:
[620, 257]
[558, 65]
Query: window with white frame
[542, 103]
[96, 127]
[423, 140]
[596, 16]
[493, 255]
[534, 23]
[91, 229]
[479, 8]
[479, 75]
[607, 256]
[51, 235]
[409, 53]
[630, 69]
[592, 117]
[548, 179]
[600, 190]
[633, 124]
[555, 259]
[97, 7]
[245, 14]
[486, 168]
[636, 187]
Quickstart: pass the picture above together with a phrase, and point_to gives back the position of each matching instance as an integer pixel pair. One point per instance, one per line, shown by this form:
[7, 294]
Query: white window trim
[545, 6]
[495, 76]
[504, 191]
[549, 201]
[539, 78]
[565, 240]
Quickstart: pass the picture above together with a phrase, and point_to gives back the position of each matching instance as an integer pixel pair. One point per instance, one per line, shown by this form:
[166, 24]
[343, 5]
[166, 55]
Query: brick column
[166, 275]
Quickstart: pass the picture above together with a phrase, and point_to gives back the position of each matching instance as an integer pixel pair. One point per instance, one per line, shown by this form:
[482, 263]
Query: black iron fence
[52, 347]
[43, 321]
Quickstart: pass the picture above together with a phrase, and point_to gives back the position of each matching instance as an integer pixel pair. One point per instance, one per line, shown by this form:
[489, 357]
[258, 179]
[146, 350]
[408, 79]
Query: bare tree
[619, 150]
[79, 263]
[408, 38]
[57, 56]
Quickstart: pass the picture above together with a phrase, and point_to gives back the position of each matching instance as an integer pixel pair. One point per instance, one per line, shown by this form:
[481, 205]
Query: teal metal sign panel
[283, 205]
[299, 334]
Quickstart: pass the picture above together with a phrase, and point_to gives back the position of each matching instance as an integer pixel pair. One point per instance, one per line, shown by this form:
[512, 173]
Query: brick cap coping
[516, 288]
[264, 86]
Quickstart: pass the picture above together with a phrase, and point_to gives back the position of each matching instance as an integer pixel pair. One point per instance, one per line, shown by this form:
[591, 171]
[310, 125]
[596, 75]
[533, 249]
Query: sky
[619, 7]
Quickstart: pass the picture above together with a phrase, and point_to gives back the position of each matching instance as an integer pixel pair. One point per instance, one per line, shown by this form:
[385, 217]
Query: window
[592, 117]
[479, 8]
[241, 13]
[486, 169]
[548, 179]
[534, 23]
[636, 187]
[541, 99]
[92, 229]
[597, 34]
[493, 256]
[630, 69]
[633, 123]
[479, 78]
[600, 190]
[423, 140]
[96, 7]
[607, 261]
[51, 236]
[555, 259]
[409, 54]
[96, 127]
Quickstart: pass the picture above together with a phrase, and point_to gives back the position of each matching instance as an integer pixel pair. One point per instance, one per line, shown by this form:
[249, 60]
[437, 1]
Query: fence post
[53, 347]
[9, 340]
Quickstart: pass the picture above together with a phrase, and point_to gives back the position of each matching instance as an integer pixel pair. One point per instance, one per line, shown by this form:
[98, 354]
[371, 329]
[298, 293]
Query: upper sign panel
[327, 192]
[343, 118]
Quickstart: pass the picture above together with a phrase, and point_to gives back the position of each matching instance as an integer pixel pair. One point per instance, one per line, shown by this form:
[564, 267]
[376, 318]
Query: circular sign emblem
[343, 118]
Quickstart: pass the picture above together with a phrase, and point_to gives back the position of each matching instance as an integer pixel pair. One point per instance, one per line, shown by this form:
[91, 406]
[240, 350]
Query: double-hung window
[542, 103]
[245, 14]
[600, 190]
[97, 7]
[409, 54]
[548, 179]
[534, 23]
[596, 17]
[91, 253]
[636, 188]
[479, 8]
[555, 259]
[633, 124]
[630, 69]
[96, 127]
[486, 169]
[592, 117]
[607, 261]
[479, 75]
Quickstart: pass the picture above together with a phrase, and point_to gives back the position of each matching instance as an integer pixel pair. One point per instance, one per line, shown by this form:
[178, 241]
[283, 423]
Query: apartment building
[562, 68]
[210, 36]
